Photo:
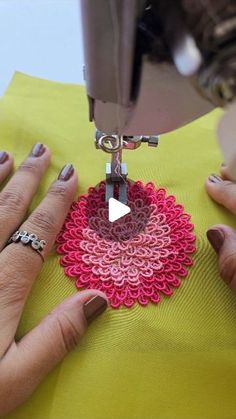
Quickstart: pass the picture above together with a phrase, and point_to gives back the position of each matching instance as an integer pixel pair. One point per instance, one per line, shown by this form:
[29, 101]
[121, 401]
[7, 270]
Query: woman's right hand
[222, 189]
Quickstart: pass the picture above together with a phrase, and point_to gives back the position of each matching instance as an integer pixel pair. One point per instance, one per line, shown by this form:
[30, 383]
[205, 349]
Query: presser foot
[116, 183]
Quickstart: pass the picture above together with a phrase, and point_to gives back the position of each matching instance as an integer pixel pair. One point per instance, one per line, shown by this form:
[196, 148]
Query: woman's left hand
[24, 364]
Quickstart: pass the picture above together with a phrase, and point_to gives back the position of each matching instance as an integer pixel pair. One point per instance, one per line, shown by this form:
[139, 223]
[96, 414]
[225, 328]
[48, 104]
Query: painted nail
[3, 157]
[216, 238]
[94, 307]
[215, 179]
[66, 172]
[37, 150]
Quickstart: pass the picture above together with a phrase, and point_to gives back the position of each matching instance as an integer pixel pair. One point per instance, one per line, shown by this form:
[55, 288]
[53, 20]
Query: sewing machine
[131, 97]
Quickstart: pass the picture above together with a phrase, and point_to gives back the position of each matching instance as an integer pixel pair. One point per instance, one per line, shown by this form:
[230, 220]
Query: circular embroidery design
[134, 259]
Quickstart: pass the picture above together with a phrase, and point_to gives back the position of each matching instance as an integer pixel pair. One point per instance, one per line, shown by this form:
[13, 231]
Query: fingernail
[94, 307]
[37, 150]
[66, 172]
[216, 238]
[215, 179]
[3, 157]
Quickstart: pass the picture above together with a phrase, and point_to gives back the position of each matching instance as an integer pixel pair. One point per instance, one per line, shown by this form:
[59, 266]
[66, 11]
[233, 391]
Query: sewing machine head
[152, 66]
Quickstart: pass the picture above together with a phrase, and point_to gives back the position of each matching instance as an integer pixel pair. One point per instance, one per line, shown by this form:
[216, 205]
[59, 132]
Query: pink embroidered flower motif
[137, 258]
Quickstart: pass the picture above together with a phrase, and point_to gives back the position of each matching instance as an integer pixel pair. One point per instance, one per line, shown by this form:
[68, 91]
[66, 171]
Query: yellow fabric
[174, 360]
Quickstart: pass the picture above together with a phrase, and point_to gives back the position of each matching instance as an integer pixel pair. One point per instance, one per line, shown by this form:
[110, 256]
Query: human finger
[222, 191]
[6, 165]
[27, 363]
[223, 241]
[18, 193]
[20, 263]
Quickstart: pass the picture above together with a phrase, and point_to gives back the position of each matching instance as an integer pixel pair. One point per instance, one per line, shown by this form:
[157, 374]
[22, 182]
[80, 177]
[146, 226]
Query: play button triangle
[117, 210]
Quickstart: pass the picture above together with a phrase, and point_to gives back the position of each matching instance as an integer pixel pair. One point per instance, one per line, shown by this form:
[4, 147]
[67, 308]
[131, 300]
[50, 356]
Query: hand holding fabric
[223, 238]
[24, 364]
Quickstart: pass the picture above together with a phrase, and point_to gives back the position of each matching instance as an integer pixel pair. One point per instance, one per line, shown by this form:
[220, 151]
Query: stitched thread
[135, 259]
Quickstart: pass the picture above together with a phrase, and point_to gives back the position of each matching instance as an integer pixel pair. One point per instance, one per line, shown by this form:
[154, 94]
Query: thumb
[223, 241]
[43, 347]
[222, 191]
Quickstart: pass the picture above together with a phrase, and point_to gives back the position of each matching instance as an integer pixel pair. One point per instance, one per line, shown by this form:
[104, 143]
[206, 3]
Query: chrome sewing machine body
[133, 97]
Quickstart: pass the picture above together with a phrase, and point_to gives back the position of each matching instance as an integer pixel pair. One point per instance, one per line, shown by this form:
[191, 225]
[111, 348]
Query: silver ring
[29, 239]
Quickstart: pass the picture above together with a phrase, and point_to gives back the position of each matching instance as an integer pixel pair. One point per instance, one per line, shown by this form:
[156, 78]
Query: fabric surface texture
[176, 359]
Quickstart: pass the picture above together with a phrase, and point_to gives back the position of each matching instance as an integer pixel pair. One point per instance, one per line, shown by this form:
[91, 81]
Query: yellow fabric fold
[172, 360]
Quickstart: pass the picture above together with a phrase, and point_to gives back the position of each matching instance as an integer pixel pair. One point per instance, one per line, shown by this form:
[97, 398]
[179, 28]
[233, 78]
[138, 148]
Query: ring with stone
[29, 239]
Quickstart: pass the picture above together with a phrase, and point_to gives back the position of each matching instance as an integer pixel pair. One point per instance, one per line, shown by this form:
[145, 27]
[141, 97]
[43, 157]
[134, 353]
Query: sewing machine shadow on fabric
[132, 98]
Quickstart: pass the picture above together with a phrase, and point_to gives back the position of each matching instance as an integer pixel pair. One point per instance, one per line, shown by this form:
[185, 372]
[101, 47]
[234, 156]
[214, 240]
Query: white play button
[117, 210]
